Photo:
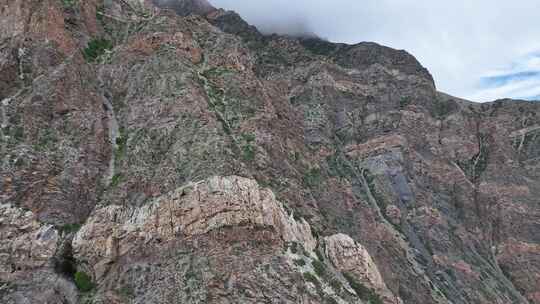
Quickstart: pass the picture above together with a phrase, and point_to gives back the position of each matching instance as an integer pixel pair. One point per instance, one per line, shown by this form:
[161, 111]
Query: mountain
[151, 155]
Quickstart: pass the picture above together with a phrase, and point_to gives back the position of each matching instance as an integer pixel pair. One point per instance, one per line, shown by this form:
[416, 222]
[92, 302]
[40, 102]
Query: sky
[481, 50]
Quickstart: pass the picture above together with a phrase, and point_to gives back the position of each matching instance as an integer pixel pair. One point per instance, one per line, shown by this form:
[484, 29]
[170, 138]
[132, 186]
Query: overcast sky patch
[521, 80]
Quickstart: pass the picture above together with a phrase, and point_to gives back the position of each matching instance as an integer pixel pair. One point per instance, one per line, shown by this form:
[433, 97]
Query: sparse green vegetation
[336, 285]
[248, 149]
[294, 247]
[121, 143]
[310, 277]
[319, 254]
[312, 178]
[100, 10]
[126, 291]
[475, 166]
[274, 57]
[69, 3]
[338, 167]
[318, 46]
[248, 152]
[522, 143]
[230, 111]
[18, 133]
[116, 179]
[96, 48]
[371, 180]
[300, 262]
[441, 108]
[47, 139]
[530, 138]
[216, 72]
[319, 267]
[405, 101]
[249, 137]
[330, 300]
[374, 298]
[362, 291]
[83, 281]
[69, 228]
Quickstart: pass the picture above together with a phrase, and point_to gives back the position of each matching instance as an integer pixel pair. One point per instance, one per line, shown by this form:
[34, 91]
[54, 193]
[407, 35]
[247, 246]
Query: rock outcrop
[26, 244]
[27, 252]
[196, 209]
[352, 258]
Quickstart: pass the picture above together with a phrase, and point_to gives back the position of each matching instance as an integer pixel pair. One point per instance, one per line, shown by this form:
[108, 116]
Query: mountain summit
[168, 152]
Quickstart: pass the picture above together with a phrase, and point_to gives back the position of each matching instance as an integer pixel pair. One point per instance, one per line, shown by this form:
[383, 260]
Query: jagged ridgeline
[168, 152]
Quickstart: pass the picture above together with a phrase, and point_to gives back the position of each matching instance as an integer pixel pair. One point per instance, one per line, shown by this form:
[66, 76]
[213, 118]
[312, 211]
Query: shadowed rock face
[151, 155]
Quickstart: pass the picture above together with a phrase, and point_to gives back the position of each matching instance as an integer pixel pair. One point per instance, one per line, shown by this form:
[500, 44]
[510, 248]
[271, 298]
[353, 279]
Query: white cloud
[458, 41]
[520, 80]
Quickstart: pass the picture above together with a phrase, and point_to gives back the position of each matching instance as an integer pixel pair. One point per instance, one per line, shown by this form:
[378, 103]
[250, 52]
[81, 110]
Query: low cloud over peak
[458, 41]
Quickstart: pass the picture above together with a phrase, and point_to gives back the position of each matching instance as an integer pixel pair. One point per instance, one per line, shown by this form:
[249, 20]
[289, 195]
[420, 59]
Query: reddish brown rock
[350, 140]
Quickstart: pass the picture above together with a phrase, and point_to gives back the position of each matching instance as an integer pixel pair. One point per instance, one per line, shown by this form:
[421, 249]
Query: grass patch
[96, 48]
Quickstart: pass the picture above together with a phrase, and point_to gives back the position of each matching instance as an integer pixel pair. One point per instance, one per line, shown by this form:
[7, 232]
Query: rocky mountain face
[167, 152]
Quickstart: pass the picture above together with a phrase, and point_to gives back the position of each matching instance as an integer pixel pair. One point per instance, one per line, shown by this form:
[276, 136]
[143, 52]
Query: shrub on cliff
[96, 48]
[83, 281]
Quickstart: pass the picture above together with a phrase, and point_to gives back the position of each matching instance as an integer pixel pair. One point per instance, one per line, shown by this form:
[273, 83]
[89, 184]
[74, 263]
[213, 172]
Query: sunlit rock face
[171, 153]
[195, 209]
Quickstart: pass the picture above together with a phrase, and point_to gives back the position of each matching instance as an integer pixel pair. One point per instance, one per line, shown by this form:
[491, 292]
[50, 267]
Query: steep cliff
[167, 152]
